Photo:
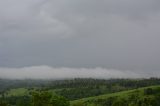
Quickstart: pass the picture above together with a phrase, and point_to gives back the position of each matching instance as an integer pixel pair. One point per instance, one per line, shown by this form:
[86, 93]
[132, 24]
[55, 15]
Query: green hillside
[83, 92]
[146, 96]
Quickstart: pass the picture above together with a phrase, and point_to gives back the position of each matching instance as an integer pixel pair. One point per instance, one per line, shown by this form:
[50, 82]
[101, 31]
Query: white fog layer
[46, 72]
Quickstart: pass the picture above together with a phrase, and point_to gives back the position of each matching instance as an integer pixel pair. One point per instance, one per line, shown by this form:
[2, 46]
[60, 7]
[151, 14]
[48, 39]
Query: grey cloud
[116, 34]
[45, 72]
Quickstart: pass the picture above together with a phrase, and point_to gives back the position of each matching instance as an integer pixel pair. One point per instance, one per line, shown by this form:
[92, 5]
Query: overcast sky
[121, 35]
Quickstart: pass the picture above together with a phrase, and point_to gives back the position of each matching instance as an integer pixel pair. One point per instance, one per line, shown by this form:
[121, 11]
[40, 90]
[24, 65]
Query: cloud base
[46, 72]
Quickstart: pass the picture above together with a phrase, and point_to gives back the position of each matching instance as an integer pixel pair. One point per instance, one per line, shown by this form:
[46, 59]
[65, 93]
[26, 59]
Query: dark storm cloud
[114, 34]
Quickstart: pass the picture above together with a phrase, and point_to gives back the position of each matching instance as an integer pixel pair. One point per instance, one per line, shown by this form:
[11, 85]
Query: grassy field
[25, 91]
[93, 100]
[84, 92]
[17, 92]
[122, 94]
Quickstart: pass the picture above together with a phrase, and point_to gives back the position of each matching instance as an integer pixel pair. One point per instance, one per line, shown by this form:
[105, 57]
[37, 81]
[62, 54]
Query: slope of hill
[73, 89]
[84, 92]
[146, 96]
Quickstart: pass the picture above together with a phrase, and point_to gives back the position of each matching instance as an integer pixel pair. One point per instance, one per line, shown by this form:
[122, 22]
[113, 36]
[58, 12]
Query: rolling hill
[136, 97]
[86, 92]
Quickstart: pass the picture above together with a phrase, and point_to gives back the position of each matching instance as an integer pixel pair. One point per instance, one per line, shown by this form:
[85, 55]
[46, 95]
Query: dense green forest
[80, 92]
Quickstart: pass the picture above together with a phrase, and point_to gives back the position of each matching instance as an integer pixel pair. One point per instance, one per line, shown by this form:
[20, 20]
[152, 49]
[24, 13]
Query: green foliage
[78, 104]
[41, 99]
[76, 93]
[148, 101]
[82, 88]
[42, 93]
[148, 96]
[2, 103]
[23, 101]
[120, 102]
[148, 91]
[109, 101]
[59, 101]
[72, 89]
[46, 99]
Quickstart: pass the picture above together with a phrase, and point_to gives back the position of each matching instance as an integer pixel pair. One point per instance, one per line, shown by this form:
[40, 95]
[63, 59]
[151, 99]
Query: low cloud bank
[46, 72]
